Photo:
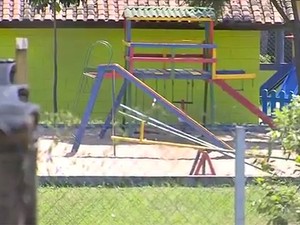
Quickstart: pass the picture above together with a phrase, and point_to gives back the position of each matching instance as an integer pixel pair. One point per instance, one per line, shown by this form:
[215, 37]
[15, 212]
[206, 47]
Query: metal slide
[168, 105]
[277, 79]
[290, 83]
[102, 69]
[285, 79]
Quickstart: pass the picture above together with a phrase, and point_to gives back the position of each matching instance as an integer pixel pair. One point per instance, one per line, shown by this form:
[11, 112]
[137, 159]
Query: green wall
[236, 50]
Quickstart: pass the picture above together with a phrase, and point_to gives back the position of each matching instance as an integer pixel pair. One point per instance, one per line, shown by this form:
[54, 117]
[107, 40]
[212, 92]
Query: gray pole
[240, 181]
[18, 120]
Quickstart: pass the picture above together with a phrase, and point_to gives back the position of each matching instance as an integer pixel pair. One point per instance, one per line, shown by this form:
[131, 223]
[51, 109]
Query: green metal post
[210, 39]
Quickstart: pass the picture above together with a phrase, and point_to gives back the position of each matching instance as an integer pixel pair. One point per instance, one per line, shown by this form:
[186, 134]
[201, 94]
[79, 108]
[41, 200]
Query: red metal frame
[201, 163]
[167, 55]
[175, 59]
[244, 101]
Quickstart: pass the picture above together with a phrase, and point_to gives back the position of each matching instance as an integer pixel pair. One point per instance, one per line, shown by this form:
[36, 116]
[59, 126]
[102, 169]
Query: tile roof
[255, 11]
[168, 12]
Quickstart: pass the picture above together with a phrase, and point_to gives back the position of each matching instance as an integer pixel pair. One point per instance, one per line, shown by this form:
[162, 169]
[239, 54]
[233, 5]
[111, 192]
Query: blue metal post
[240, 180]
[279, 48]
[88, 109]
[113, 109]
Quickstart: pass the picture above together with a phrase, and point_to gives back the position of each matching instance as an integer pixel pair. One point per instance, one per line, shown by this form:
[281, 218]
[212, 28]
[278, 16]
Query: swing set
[188, 99]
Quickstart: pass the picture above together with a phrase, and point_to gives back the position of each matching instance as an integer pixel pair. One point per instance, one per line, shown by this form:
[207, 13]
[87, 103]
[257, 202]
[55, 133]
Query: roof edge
[26, 24]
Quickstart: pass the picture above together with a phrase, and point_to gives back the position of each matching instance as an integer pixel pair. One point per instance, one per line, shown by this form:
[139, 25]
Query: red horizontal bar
[167, 55]
[159, 59]
[110, 75]
[106, 75]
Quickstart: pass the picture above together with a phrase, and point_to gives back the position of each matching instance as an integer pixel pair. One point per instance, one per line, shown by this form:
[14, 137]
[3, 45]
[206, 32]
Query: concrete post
[240, 181]
[18, 120]
[21, 61]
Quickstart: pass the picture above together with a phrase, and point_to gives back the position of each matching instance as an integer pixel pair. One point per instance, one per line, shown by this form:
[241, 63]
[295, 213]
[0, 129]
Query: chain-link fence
[270, 49]
[136, 204]
[137, 184]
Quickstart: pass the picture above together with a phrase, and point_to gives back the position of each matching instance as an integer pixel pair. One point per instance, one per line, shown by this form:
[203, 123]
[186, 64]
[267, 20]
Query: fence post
[279, 47]
[21, 60]
[18, 120]
[240, 181]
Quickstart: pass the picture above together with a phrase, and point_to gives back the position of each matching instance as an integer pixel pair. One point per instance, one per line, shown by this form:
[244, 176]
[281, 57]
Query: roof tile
[168, 12]
[258, 11]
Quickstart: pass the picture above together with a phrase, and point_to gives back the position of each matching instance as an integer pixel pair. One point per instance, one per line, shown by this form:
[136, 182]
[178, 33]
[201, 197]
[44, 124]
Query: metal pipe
[161, 128]
[201, 148]
[224, 152]
[145, 141]
[240, 180]
[142, 130]
[194, 139]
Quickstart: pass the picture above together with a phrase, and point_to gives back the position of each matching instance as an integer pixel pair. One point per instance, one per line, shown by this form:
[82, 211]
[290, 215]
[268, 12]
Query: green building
[237, 35]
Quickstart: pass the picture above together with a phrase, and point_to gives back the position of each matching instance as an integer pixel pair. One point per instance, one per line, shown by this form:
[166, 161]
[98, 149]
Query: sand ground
[99, 158]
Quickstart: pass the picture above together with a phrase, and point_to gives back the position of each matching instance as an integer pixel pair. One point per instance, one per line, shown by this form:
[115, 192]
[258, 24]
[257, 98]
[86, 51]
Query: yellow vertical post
[142, 131]
[214, 64]
[21, 76]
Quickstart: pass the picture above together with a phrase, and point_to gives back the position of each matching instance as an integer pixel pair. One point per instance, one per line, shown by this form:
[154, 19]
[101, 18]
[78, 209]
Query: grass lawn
[141, 206]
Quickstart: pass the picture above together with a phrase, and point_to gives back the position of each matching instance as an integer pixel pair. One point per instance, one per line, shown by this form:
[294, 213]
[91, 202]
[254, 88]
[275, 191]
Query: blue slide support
[279, 88]
[88, 110]
[277, 79]
[290, 83]
[113, 109]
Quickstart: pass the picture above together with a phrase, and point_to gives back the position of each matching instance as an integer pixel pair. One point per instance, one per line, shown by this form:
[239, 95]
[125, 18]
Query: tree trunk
[296, 32]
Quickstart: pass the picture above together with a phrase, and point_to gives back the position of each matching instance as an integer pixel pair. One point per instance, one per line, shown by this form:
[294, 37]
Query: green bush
[281, 200]
[266, 59]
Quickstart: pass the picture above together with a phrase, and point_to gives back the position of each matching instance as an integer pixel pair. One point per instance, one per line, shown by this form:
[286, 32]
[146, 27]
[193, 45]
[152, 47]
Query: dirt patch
[99, 158]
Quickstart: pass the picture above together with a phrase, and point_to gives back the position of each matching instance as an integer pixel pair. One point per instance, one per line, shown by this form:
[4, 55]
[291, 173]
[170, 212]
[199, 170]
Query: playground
[160, 134]
[166, 122]
[129, 133]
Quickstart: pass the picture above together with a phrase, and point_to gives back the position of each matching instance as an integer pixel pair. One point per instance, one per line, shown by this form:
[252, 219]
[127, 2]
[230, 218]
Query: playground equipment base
[139, 160]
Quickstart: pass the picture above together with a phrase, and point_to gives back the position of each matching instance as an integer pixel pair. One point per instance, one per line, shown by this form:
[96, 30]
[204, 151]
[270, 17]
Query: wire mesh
[267, 47]
[141, 184]
[127, 191]
[150, 204]
[268, 43]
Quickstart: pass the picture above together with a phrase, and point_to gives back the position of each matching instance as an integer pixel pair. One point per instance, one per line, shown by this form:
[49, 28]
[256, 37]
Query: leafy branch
[281, 200]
